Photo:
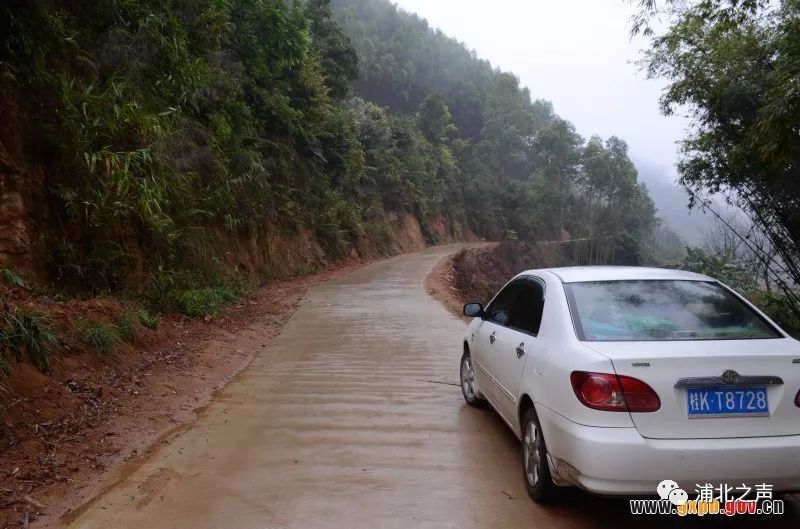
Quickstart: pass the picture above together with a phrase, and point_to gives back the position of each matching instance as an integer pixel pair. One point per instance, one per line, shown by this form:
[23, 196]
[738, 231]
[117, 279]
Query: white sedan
[616, 378]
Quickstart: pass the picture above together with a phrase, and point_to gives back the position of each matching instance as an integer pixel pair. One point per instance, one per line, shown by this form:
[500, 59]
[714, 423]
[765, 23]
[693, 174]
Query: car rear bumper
[619, 461]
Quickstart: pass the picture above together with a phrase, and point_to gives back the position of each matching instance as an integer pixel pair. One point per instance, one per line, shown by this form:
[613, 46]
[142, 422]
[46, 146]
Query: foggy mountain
[672, 203]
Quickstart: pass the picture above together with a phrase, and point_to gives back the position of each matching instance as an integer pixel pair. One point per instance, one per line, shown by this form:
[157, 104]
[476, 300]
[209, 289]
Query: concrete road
[353, 418]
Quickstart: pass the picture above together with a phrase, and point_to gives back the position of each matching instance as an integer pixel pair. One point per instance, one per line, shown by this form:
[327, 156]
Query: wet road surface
[353, 418]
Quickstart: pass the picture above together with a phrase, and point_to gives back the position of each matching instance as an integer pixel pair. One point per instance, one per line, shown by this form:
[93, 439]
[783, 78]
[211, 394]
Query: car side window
[499, 311]
[526, 312]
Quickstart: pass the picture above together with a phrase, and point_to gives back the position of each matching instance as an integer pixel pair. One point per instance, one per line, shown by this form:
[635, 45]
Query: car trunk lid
[672, 367]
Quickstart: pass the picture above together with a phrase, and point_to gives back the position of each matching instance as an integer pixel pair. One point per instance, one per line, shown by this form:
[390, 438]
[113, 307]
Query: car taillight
[608, 392]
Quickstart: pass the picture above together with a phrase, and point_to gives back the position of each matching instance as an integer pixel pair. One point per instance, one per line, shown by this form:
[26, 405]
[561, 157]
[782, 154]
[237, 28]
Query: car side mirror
[473, 310]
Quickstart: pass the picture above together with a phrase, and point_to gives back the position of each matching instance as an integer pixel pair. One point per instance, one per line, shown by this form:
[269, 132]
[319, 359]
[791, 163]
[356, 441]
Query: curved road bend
[352, 418]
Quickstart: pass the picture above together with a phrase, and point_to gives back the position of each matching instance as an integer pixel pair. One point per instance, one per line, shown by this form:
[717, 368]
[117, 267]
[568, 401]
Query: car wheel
[535, 469]
[468, 386]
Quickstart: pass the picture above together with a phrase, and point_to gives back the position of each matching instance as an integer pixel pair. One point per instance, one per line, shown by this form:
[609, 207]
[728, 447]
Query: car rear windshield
[660, 310]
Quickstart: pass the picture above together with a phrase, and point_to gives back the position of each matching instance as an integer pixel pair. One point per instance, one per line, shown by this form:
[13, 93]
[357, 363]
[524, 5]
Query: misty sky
[576, 54]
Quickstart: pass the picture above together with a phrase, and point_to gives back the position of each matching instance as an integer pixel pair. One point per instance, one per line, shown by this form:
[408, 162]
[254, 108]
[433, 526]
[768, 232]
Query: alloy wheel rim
[468, 379]
[531, 449]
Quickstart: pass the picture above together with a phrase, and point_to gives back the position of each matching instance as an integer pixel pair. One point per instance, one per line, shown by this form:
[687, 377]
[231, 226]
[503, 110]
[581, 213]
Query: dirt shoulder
[67, 436]
[477, 272]
[440, 284]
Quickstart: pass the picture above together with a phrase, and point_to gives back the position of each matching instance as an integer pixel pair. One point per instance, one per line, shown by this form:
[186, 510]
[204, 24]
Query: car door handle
[521, 350]
[492, 338]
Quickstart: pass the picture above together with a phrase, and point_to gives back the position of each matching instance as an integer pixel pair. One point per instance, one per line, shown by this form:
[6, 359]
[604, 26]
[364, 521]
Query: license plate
[727, 402]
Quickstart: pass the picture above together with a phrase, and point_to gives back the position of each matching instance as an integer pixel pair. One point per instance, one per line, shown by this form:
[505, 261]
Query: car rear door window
[526, 312]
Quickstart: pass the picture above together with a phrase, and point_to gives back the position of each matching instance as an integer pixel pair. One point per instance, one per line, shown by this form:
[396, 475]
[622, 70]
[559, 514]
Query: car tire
[535, 469]
[468, 386]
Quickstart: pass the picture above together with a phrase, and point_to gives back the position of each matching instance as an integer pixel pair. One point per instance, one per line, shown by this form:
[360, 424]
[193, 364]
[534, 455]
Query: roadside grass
[31, 332]
[10, 277]
[127, 325]
[151, 321]
[197, 303]
[101, 337]
[189, 294]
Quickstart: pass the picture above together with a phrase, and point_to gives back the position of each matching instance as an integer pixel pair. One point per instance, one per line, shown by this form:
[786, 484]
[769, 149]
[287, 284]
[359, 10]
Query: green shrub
[130, 322]
[225, 294]
[11, 277]
[778, 307]
[103, 338]
[336, 221]
[203, 301]
[151, 321]
[127, 325]
[160, 293]
[169, 286]
[719, 267]
[29, 331]
[198, 302]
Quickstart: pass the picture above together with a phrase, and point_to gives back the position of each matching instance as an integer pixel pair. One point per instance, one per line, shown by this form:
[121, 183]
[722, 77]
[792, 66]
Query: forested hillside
[522, 170]
[163, 146]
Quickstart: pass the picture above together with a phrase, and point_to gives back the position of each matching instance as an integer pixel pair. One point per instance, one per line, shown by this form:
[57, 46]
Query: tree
[556, 153]
[620, 210]
[338, 56]
[719, 267]
[509, 127]
[434, 119]
[734, 64]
